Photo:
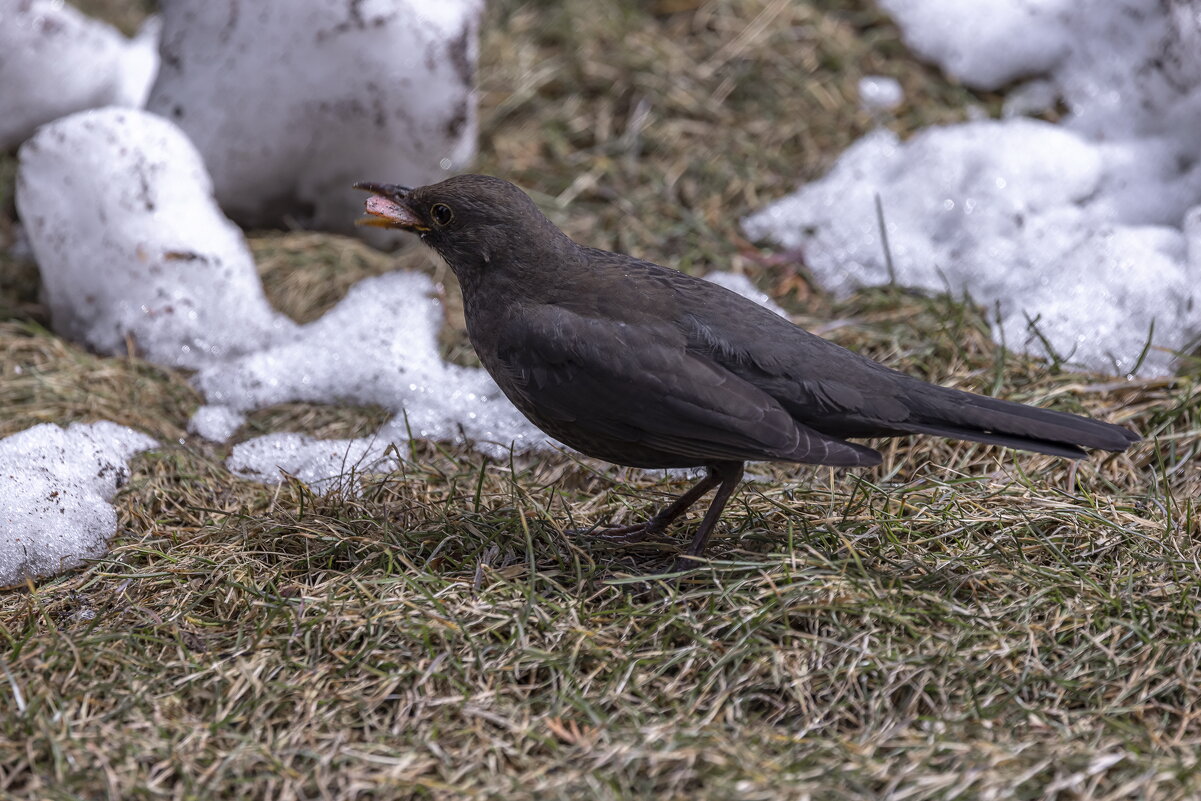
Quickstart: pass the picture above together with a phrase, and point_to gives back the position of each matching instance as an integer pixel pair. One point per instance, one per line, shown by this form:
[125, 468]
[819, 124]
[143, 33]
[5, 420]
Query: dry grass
[962, 622]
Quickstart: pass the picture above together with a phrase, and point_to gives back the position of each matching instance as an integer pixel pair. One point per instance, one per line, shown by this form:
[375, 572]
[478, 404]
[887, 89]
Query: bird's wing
[843, 394]
[818, 382]
[640, 384]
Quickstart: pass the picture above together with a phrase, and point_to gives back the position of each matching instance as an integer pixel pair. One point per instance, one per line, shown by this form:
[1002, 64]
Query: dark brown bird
[646, 366]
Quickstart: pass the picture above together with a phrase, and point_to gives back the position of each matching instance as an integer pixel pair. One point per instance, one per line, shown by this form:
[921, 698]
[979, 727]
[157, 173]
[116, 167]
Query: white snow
[55, 488]
[324, 464]
[215, 422]
[988, 43]
[56, 60]
[339, 91]
[880, 93]
[1030, 99]
[139, 65]
[935, 190]
[1075, 232]
[131, 247]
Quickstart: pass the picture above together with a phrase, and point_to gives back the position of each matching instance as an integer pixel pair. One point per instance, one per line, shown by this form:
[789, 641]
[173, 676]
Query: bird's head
[475, 222]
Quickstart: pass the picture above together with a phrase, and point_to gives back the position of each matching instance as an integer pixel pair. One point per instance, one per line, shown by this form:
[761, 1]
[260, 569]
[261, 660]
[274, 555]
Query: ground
[961, 622]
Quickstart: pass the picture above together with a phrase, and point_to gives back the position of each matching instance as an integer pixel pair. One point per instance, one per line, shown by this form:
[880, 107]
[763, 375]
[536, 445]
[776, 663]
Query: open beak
[386, 208]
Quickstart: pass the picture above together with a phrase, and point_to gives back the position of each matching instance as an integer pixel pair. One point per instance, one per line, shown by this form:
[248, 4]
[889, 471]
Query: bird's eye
[441, 214]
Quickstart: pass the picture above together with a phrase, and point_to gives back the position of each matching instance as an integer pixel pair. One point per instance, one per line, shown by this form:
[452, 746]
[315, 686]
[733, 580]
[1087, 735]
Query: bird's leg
[640, 532]
[729, 474]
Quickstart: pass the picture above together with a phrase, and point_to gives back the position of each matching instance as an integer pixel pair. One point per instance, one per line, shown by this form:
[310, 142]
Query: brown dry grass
[960, 623]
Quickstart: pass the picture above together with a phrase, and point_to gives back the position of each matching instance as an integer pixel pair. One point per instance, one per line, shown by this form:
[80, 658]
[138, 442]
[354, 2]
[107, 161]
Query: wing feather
[642, 384]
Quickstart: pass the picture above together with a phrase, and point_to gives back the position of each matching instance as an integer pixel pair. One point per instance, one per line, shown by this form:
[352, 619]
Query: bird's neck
[530, 276]
[533, 270]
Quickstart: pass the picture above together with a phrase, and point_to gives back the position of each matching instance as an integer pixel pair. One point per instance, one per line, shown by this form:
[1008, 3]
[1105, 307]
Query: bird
[646, 366]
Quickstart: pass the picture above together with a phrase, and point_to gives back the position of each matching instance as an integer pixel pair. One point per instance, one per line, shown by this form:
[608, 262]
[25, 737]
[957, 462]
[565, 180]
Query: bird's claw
[684, 564]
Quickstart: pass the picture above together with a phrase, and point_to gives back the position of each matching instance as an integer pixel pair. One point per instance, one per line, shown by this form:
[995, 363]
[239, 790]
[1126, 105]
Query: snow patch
[57, 61]
[880, 93]
[1075, 233]
[55, 489]
[132, 250]
[338, 92]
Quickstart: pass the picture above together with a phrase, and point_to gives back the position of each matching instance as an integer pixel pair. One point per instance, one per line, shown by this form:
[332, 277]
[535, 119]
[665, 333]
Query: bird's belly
[598, 446]
[577, 433]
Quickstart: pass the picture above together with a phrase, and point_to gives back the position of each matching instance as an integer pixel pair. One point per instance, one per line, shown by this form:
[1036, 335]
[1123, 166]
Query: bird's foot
[685, 563]
[622, 535]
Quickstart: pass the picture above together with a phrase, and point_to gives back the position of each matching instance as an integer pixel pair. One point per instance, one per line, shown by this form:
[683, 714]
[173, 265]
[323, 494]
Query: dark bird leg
[729, 474]
[640, 532]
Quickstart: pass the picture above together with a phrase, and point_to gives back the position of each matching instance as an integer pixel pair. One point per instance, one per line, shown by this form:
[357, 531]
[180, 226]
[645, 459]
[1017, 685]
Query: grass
[962, 622]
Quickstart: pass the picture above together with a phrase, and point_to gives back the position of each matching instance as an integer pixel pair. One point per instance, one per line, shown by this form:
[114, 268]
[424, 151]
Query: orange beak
[386, 208]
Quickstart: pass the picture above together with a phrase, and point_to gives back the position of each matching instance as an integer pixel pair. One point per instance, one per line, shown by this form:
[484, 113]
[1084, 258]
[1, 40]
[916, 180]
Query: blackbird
[645, 366]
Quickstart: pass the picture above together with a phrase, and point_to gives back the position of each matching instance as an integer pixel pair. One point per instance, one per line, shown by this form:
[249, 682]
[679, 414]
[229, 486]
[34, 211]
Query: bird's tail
[978, 418]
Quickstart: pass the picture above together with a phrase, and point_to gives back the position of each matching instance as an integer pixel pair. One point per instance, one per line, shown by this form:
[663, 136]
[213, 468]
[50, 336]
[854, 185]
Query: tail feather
[962, 415]
[1021, 443]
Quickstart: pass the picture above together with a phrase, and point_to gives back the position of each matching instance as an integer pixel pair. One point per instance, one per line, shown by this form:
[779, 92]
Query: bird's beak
[387, 208]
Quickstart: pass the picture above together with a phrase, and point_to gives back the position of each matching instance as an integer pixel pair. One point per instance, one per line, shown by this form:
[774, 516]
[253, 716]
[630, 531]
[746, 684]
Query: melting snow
[55, 488]
[1082, 236]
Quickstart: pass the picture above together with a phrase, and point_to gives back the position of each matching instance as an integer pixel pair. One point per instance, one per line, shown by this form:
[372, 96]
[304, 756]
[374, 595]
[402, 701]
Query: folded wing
[603, 380]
